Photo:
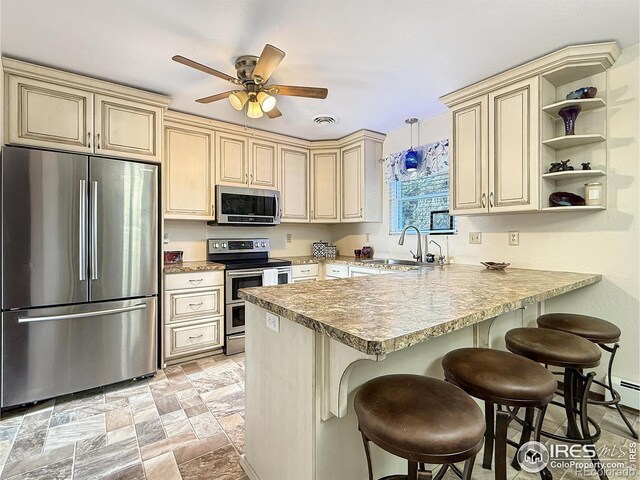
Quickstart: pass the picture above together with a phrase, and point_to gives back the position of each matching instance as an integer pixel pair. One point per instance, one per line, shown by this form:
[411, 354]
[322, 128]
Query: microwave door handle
[277, 215]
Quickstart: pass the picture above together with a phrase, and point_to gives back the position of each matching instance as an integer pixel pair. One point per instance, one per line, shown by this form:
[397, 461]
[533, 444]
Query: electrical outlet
[273, 322]
[166, 240]
[366, 237]
[475, 238]
[514, 239]
[288, 238]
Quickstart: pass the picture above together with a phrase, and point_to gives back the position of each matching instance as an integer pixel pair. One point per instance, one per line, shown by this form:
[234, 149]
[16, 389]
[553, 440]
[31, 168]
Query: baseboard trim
[248, 469]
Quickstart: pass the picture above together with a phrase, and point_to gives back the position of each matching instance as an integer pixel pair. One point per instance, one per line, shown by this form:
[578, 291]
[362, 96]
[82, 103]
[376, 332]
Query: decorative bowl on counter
[495, 265]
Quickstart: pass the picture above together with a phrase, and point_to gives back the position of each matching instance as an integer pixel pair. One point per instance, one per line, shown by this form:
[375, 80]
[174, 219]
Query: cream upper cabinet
[513, 147]
[188, 167]
[53, 109]
[263, 164]
[361, 182]
[495, 159]
[325, 186]
[47, 115]
[126, 128]
[231, 155]
[469, 167]
[294, 183]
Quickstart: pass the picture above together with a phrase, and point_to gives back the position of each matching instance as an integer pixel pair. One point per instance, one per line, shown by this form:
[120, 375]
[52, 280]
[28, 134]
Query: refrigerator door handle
[94, 230]
[82, 231]
[97, 313]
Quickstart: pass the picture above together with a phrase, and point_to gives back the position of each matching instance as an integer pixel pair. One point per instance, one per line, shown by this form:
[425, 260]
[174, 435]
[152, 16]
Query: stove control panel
[237, 245]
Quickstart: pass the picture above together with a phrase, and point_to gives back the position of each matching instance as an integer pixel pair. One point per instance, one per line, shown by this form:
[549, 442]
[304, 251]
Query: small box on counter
[173, 256]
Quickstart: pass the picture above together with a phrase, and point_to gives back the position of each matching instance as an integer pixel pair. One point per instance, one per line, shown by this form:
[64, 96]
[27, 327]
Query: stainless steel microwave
[247, 206]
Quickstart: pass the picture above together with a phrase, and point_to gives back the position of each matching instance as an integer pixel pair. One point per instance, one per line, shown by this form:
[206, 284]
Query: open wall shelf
[573, 174]
[569, 141]
[579, 208]
[585, 105]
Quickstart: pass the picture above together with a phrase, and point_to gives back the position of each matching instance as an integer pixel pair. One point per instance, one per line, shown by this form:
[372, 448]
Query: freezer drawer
[48, 352]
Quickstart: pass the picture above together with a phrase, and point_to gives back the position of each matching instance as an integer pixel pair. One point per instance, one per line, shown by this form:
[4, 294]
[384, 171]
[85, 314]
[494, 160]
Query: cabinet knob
[483, 200]
[491, 199]
[89, 139]
[98, 140]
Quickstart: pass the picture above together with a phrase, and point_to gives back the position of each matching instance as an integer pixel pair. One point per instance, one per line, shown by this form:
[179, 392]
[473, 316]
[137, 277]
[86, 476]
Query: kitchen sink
[393, 261]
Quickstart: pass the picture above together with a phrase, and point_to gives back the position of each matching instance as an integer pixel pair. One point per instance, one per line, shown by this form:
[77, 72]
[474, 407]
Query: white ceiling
[382, 61]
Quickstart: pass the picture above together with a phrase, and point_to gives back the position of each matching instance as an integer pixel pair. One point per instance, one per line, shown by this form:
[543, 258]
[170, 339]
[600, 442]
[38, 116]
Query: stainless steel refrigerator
[79, 272]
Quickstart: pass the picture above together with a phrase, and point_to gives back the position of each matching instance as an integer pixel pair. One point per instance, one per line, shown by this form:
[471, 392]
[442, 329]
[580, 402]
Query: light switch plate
[514, 239]
[288, 238]
[475, 238]
[273, 322]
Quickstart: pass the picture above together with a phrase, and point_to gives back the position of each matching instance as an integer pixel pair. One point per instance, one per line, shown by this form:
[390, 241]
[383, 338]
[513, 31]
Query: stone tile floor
[184, 423]
[187, 423]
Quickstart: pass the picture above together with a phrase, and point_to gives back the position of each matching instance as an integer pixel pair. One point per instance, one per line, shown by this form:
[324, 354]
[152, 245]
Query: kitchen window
[420, 197]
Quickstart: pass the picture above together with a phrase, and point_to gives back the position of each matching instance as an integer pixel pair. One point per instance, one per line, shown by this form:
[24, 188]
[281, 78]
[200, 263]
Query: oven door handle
[245, 273]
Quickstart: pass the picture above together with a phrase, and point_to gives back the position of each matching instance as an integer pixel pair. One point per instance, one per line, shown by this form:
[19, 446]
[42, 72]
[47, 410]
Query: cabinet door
[264, 165]
[188, 166]
[127, 129]
[325, 186]
[231, 157]
[46, 115]
[513, 147]
[469, 184]
[352, 174]
[294, 184]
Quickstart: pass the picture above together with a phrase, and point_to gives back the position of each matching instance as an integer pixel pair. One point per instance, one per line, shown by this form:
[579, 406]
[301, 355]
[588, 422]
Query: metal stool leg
[489, 435]
[502, 423]
[413, 471]
[545, 474]
[468, 468]
[570, 402]
[584, 425]
[365, 441]
[614, 394]
[526, 435]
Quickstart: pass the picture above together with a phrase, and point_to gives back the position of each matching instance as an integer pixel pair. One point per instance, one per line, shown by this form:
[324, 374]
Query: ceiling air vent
[324, 120]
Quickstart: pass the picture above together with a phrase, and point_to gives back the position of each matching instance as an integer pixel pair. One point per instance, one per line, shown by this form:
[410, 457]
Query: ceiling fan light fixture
[238, 99]
[254, 110]
[267, 102]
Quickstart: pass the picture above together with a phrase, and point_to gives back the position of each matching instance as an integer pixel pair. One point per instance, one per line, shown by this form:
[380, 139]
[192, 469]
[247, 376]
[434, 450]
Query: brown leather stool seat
[506, 380]
[600, 332]
[499, 377]
[421, 419]
[593, 329]
[553, 347]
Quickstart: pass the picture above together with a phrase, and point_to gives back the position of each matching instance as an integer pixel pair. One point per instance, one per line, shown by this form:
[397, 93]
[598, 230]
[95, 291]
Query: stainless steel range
[247, 264]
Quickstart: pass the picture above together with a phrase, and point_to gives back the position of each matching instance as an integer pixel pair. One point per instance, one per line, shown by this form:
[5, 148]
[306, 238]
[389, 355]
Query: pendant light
[411, 157]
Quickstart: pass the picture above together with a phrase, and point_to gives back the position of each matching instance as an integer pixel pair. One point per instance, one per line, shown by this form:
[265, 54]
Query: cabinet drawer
[305, 280]
[183, 304]
[193, 336]
[338, 271]
[310, 270]
[362, 271]
[176, 281]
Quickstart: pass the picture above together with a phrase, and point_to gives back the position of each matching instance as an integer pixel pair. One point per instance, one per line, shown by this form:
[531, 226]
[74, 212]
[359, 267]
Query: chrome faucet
[440, 256]
[416, 256]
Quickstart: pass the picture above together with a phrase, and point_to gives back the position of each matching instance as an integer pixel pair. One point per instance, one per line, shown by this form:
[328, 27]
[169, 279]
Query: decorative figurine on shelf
[569, 116]
[584, 92]
[586, 166]
[565, 165]
[555, 167]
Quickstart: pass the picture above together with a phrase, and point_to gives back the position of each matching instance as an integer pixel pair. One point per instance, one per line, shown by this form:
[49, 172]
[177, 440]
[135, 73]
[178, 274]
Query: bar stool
[603, 334]
[573, 353]
[506, 380]
[420, 419]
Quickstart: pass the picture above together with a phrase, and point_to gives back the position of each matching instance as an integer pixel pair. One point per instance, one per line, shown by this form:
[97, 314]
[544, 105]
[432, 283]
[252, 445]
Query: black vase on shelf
[569, 115]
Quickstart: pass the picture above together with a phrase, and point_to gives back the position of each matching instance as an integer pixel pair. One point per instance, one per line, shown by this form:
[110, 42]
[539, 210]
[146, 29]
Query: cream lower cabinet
[334, 271]
[193, 316]
[294, 184]
[188, 167]
[57, 110]
[361, 182]
[126, 128]
[494, 154]
[306, 273]
[325, 186]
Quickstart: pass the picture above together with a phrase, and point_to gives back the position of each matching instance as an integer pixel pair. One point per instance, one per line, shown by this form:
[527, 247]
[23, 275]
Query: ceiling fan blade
[269, 59]
[310, 92]
[274, 113]
[203, 68]
[215, 98]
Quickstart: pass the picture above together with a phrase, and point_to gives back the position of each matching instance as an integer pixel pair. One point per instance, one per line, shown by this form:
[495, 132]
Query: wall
[190, 237]
[604, 242]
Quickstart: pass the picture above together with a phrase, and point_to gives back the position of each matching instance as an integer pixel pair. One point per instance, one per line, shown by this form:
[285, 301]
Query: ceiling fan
[252, 75]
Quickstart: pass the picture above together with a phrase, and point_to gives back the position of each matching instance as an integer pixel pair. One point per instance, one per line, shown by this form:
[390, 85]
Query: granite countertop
[185, 267]
[380, 314]
[344, 260]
